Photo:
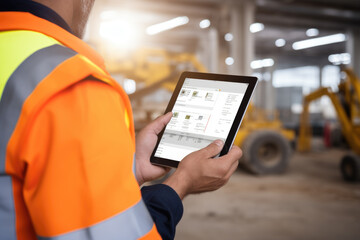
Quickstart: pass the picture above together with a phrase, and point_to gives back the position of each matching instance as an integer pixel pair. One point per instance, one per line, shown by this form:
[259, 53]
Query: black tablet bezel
[238, 118]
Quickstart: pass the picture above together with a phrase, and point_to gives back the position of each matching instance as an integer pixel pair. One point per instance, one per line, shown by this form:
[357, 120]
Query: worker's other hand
[200, 172]
[145, 143]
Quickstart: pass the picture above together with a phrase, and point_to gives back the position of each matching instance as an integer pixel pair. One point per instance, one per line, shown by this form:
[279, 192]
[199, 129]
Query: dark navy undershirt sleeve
[165, 207]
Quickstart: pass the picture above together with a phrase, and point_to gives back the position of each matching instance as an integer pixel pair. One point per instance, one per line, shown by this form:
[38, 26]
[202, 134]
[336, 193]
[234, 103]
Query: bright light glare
[256, 27]
[314, 42]
[167, 25]
[280, 42]
[267, 62]
[228, 37]
[341, 58]
[229, 61]
[205, 23]
[296, 108]
[109, 14]
[258, 75]
[129, 86]
[120, 32]
[312, 32]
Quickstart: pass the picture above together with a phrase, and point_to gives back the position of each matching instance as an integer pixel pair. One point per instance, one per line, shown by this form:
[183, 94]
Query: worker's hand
[145, 143]
[200, 172]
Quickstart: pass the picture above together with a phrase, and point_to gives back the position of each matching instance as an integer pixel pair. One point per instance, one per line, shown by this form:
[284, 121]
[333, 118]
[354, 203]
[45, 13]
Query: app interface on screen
[203, 112]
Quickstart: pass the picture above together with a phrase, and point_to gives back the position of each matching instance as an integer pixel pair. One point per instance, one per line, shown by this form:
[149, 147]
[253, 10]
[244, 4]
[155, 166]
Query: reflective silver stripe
[7, 211]
[134, 165]
[19, 86]
[133, 223]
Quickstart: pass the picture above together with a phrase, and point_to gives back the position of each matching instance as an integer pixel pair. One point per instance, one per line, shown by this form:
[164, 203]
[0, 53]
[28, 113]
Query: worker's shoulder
[25, 42]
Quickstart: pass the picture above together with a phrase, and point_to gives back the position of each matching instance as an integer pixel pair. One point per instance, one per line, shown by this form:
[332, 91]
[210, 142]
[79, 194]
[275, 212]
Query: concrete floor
[310, 201]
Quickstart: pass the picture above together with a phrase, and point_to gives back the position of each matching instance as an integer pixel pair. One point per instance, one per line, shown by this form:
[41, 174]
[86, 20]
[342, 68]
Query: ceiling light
[314, 42]
[228, 37]
[312, 32]
[256, 27]
[267, 62]
[341, 58]
[205, 23]
[167, 25]
[280, 42]
[129, 86]
[229, 61]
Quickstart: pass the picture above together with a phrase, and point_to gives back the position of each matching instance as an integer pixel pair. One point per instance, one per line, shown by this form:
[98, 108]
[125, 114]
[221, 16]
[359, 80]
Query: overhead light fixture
[228, 37]
[205, 23]
[312, 32]
[341, 58]
[267, 62]
[229, 61]
[129, 86]
[280, 42]
[314, 42]
[167, 25]
[256, 27]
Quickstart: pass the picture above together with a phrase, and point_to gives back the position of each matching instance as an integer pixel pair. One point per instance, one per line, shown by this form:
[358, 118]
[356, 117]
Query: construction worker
[68, 164]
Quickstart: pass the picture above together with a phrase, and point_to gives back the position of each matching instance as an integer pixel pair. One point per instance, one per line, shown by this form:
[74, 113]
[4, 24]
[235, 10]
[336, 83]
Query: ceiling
[287, 19]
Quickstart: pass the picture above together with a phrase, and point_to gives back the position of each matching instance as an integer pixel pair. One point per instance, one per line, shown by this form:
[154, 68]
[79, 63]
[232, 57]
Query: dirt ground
[309, 201]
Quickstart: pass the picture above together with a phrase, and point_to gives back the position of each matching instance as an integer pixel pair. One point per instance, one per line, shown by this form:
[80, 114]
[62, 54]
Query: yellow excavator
[346, 102]
[265, 143]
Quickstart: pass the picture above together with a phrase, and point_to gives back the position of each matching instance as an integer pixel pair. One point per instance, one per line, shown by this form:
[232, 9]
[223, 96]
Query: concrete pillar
[353, 47]
[214, 50]
[202, 52]
[258, 94]
[320, 75]
[242, 45]
[208, 50]
[270, 95]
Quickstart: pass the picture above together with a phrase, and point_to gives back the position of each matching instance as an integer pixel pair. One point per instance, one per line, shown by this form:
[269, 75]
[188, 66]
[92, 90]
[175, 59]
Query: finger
[212, 149]
[159, 123]
[235, 152]
[232, 169]
[232, 156]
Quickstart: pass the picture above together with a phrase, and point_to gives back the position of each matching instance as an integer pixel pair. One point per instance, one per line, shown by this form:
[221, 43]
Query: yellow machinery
[347, 106]
[265, 144]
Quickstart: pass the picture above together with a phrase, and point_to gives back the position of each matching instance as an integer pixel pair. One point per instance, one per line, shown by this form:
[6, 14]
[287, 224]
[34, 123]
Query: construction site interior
[299, 177]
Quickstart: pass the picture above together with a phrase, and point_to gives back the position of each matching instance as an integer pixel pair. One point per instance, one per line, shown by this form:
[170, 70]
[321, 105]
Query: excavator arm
[348, 130]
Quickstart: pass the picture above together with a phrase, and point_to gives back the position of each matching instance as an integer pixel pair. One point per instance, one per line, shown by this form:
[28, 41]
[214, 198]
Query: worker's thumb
[159, 123]
[213, 148]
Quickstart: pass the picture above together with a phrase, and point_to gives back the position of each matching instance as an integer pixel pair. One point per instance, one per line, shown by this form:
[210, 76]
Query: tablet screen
[203, 112]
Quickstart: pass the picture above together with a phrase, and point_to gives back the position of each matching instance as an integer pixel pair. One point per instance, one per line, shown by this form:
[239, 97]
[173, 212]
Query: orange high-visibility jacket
[67, 140]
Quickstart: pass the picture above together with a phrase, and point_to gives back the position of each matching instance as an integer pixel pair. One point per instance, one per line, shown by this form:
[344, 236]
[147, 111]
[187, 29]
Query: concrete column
[320, 75]
[258, 94]
[208, 51]
[214, 50]
[353, 47]
[270, 95]
[242, 46]
[202, 52]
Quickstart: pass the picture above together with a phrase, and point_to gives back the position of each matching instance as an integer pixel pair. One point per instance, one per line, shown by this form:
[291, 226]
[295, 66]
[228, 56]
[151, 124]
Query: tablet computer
[205, 107]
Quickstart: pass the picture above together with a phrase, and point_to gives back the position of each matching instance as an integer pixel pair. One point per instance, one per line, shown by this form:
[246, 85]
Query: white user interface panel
[203, 112]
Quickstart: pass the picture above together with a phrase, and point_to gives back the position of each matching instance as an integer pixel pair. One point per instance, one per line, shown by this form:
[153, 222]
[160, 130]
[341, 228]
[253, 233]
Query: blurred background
[299, 176]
